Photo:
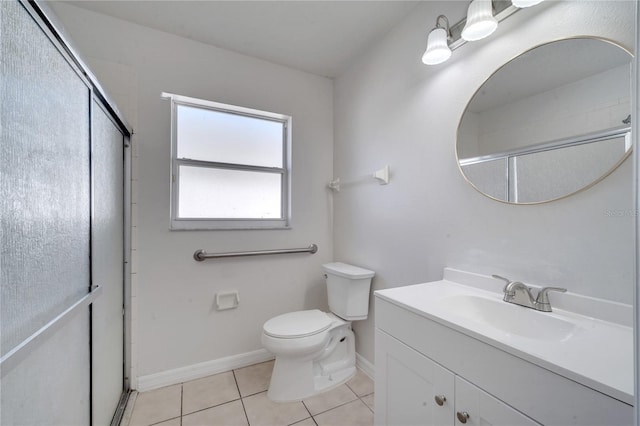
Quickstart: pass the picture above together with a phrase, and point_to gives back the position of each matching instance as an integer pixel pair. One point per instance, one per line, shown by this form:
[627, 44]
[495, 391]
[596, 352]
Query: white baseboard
[367, 368]
[203, 369]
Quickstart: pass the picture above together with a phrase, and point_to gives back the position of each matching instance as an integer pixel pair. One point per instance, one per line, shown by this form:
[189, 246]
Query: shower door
[107, 261]
[61, 233]
[45, 205]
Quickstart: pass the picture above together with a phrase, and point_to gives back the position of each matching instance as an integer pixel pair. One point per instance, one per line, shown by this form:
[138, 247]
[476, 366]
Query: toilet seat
[298, 324]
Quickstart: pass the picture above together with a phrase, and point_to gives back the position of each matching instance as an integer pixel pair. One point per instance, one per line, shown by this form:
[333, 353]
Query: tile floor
[239, 397]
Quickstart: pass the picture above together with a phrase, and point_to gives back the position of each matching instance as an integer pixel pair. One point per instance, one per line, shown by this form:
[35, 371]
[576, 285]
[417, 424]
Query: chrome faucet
[519, 294]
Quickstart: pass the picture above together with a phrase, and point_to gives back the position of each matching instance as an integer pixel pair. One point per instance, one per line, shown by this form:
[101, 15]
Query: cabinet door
[484, 409]
[407, 384]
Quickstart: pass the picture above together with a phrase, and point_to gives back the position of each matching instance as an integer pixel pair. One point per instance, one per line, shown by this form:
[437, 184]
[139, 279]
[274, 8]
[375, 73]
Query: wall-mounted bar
[201, 255]
[17, 354]
[382, 176]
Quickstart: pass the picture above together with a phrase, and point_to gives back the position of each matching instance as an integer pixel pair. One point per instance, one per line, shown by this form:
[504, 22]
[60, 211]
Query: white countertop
[593, 351]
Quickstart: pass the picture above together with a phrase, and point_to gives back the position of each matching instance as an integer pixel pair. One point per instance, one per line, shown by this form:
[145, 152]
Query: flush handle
[462, 416]
[440, 399]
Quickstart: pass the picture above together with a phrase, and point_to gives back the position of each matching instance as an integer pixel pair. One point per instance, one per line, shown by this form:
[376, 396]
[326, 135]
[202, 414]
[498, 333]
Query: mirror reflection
[553, 121]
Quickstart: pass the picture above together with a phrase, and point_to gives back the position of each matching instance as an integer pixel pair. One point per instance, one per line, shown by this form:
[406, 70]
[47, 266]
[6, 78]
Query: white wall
[391, 109]
[176, 324]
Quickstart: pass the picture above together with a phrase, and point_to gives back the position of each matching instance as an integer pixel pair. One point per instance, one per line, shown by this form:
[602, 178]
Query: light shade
[437, 47]
[525, 3]
[480, 20]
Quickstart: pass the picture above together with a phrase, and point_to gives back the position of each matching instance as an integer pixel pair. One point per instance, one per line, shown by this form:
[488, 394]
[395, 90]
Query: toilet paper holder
[227, 300]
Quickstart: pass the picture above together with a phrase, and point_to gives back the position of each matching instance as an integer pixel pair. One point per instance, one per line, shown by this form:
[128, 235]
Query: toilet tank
[348, 289]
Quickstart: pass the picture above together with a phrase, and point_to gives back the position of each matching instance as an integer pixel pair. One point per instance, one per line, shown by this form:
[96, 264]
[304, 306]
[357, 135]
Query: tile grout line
[253, 394]
[241, 398]
[207, 408]
[165, 420]
[181, 401]
[308, 411]
[313, 419]
[337, 406]
[367, 405]
[360, 397]
[344, 403]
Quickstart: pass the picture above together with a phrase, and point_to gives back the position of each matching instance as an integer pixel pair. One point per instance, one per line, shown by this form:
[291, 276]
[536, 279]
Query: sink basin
[585, 339]
[509, 318]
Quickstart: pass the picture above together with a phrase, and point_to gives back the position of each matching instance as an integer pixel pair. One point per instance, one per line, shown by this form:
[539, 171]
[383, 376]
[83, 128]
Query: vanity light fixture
[480, 21]
[525, 3]
[438, 49]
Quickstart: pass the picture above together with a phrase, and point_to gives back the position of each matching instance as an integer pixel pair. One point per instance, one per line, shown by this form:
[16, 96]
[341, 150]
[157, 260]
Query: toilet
[315, 350]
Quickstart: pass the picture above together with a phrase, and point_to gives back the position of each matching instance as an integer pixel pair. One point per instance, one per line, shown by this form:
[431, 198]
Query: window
[230, 166]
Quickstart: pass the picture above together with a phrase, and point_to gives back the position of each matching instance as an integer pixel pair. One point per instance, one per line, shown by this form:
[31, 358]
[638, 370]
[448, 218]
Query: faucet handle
[543, 297]
[506, 280]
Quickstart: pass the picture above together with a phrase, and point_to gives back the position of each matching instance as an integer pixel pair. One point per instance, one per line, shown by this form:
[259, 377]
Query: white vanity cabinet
[419, 358]
[411, 389]
[407, 384]
[479, 408]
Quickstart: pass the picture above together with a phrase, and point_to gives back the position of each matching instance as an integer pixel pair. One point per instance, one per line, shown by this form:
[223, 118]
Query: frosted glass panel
[107, 267]
[228, 138]
[490, 177]
[546, 175]
[44, 187]
[50, 387]
[228, 194]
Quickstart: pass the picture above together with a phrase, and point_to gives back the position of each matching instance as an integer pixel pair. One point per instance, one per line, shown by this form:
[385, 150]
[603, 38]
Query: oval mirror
[551, 122]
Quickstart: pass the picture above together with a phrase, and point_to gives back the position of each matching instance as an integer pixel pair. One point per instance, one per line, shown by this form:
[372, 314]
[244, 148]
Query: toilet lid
[297, 324]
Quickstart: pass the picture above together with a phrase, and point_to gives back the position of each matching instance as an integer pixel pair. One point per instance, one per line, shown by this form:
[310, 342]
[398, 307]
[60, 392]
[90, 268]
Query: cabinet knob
[440, 399]
[462, 416]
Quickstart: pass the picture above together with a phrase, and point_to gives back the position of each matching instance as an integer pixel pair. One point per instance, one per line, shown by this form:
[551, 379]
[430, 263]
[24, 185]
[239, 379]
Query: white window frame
[182, 224]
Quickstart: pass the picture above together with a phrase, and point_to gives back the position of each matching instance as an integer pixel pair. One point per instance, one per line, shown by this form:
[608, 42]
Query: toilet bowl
[315, 350]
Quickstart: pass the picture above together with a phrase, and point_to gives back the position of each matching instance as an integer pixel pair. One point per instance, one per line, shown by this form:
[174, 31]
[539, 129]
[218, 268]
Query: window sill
[228, 225]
